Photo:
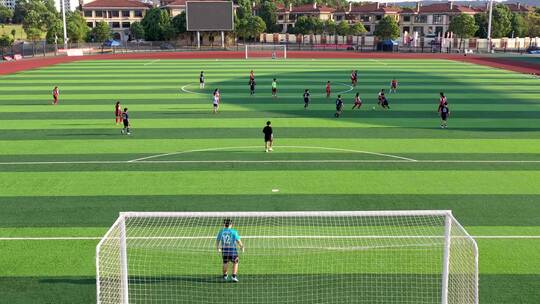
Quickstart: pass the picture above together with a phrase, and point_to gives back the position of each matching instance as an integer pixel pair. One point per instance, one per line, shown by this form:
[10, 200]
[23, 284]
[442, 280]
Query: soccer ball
[373, 108]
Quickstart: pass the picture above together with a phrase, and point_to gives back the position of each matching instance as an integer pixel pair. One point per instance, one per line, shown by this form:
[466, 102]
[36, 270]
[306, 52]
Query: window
[438, 29]
[292, 17]
[90, 24]
[368, 28]
[115, 24]
[88, 13]
[364, 18]
[406, 29]
[138, 13]
[125, 14]
[378, 17]
[437, 19]
[419, 29]
[126, 24]
[339, 17]
[280, 17]
[406, 18]
[420, 19]
[99, 14]
[114, 14]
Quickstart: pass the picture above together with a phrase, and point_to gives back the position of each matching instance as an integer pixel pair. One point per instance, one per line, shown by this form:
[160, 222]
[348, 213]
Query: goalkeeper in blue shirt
[226, 242]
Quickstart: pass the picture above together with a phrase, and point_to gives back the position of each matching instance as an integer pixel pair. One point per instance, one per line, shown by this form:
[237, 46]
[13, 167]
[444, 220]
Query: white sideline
[67, 238]
[267, 161]
[151, 62]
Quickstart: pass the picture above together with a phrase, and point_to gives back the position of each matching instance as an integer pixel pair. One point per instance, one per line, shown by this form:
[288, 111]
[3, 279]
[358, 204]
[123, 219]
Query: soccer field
[66, 171]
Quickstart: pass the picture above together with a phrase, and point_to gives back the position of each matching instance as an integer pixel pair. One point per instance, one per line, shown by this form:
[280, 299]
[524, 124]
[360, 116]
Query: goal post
[268, 51]
[290, 257]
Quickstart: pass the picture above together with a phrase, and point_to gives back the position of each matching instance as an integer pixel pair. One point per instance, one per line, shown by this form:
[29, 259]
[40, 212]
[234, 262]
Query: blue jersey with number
[228, 238]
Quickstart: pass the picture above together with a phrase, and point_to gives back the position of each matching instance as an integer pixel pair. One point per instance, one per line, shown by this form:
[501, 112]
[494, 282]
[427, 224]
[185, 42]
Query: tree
[55, 34]
[137, 30]
[343, 28]
[5, 14]
[387, 28]
[256, 26]
[330, 26]
[301, 26]
[77, 29]
[157, 25]
[357, 29]
[38, 17]
[481, 20]
[463, 26]
[501, 24]
[6, 41]
[101, 32]
[179, 23]
[244, 9]
[533, 24]
[268, 13]
[518, 25]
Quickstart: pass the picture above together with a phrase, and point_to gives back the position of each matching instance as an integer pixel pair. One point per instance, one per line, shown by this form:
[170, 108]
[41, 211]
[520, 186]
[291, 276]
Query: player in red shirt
[118, 112]
[354, 78]
[357, 101]
[442, 101]
[251, 76]
[328, 90]
[55, 94]
[393, 86]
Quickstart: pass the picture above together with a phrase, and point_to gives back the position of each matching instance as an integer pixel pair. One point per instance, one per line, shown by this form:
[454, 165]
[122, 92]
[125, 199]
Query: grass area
[20, 34]
[66, 171]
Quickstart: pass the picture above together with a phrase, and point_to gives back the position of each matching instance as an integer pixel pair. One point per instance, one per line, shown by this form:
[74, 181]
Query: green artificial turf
[65, 170]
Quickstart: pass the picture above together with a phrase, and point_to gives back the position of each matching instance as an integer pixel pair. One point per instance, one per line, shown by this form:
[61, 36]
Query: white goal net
[267, 51]
[414, 257]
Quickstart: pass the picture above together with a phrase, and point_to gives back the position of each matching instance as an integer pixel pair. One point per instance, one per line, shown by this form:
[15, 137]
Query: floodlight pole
[63, 3]
[489, 24]
[198, 39]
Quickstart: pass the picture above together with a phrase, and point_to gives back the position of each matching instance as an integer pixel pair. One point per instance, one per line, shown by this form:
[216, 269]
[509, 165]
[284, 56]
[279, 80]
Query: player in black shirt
[307, 97]
[339, 106]
[201, 80]
[268, 136]
[252, 87]
[125, 119]
[445, 112]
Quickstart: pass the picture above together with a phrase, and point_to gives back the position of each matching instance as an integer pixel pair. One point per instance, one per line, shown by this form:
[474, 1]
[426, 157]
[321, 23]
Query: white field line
[259, 147]
[184, 89]
[67, 238]
[191, 92]
[151, 62]
[378, 61]
[315, 161]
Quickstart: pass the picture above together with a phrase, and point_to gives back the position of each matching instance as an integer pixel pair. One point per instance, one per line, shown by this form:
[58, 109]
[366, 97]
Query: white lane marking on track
[152, 62]
[251, 147]
[83, 238]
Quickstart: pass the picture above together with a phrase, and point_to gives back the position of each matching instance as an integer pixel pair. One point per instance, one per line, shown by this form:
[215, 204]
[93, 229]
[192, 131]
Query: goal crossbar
[291, 213]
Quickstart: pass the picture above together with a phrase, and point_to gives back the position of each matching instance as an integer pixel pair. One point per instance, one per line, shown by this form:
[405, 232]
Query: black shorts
[306, 100]
[274, 90]
[267, 138]
[444, 116]
[126, 123]
[230, 257]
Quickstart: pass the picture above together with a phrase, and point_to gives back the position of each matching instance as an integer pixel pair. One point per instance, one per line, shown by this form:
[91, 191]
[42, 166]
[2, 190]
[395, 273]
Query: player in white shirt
[217, 97]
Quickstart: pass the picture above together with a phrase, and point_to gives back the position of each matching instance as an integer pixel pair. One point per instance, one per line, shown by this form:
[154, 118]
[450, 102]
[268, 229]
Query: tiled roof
[117, 4]
[445, 8]
[519, 8]
[310, 8]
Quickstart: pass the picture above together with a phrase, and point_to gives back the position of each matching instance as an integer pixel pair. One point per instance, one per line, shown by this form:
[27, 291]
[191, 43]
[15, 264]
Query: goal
[273, 51]
[290, 257]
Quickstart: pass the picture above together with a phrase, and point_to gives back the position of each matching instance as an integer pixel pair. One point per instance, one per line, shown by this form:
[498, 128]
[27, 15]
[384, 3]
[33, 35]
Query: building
[8, 3]
[431, 20]
[70, 5]
[119, 14]
[287, 15]
[368, 14]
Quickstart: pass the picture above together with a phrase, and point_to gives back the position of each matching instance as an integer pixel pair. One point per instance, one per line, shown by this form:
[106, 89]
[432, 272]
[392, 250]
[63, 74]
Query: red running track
[512, 65]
